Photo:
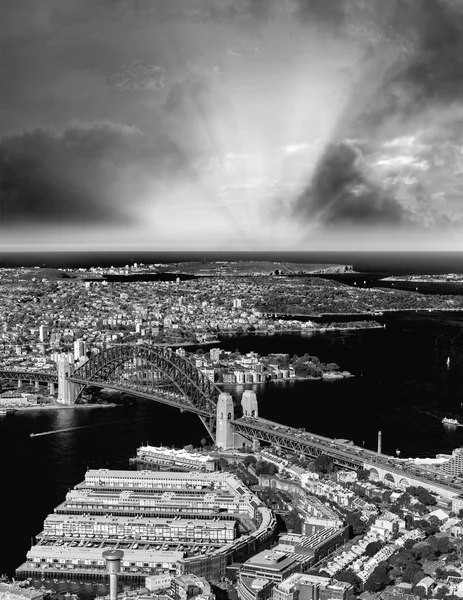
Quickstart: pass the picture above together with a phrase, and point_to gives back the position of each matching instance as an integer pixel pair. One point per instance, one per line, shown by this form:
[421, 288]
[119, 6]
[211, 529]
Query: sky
[232, 124]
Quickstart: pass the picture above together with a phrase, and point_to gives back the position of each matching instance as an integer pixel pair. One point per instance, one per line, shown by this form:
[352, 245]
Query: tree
[373, 548]
[425, 552]
[356, 524]
[266, 468]
[418, 576]
[363, 474]
[441, 591]
[422, 495]
[323, 464]
[350, 577]
[249, 460]
[408, 524]
[420, 591]
[223, 464]
[404, 499]
[402, 559]
[411, 571]
[427, 527]
[409, 544]
[378, 579]
[293, 522]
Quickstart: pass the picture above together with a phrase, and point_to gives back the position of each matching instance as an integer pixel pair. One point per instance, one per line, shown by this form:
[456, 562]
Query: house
[394, 594]
[404, 588]
[427, 583]
[457, 530]
[440, 514]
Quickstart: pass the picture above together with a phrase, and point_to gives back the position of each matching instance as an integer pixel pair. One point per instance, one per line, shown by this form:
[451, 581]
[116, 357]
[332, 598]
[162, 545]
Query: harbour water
[402, 385]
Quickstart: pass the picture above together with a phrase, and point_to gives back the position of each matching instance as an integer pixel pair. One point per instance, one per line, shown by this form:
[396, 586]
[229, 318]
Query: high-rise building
[80, 349]
[454, 463]
[237, 303]
[43, 333]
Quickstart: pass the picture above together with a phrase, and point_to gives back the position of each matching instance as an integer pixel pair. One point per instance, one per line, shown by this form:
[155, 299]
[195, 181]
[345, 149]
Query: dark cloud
[316, 12]
[81, 174]
[341, 193]
[429, 65]
[423, 73]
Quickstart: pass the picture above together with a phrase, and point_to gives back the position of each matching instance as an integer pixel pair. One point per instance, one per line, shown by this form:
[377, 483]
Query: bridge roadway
[24, 375]
[345, 454]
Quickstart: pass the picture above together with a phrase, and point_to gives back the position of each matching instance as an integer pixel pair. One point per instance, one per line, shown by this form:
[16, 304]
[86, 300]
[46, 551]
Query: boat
[447, 421]
[448, 362]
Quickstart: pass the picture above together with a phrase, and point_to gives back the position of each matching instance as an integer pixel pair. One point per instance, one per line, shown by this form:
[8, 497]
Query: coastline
[322, 378]
[300, 330]
[367, 315]
[57, 407]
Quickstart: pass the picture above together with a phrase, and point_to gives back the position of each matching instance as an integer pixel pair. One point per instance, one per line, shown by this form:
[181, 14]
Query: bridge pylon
[66, 389]
[249, 404]
[250, 408]
[224, 435]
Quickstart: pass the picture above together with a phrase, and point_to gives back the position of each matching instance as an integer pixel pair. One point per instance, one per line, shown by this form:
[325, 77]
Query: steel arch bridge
[42, 376]
[154, 372]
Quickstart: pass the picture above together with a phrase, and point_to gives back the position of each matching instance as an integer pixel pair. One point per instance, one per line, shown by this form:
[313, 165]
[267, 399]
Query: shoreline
[301, 330]
[368, 315]
[349, 376]
[57, 407]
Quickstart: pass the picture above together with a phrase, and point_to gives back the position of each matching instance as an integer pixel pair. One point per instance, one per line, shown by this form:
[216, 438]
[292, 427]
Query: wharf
[24, 572]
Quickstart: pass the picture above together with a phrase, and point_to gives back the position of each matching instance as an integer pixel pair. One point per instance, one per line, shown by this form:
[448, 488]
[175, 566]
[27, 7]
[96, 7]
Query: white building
[80, 349]
[43, 333]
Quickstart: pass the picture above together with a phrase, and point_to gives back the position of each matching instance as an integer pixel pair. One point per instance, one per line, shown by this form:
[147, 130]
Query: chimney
[380, 435]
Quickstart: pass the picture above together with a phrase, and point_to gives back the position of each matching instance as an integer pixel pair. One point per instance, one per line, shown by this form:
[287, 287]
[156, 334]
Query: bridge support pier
[249, 404]
[20, 384]
[250, 408]
[36, 386]
[51, 389]
[66, 389]
[224, 436]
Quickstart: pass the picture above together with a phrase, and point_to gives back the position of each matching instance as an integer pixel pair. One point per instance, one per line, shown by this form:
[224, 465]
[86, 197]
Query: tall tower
[249, 404]
[66, 389]
[224, 429]
[80, 348]
[43, 333]
[113, 567]
[380, 436]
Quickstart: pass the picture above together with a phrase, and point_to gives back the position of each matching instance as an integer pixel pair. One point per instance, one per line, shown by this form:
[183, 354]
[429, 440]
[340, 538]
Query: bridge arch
[404, 483]
[389, 478]
[149, 370]
[374, 474]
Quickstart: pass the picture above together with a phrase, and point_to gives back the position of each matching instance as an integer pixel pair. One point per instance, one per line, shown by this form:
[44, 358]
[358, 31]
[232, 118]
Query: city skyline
[232, 125]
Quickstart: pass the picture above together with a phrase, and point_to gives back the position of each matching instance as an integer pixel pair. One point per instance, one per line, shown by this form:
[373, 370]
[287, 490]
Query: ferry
[447, 421]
